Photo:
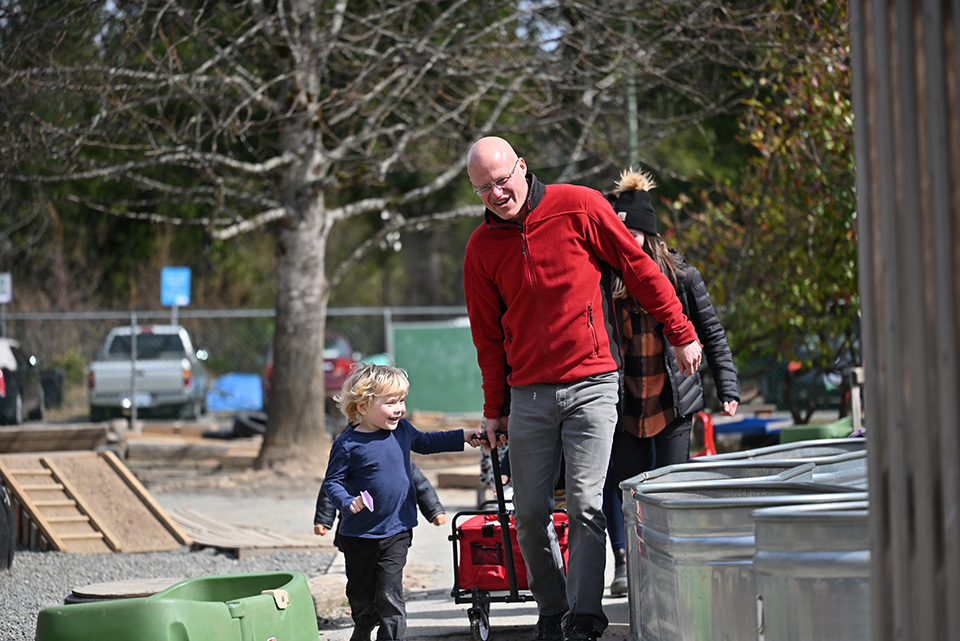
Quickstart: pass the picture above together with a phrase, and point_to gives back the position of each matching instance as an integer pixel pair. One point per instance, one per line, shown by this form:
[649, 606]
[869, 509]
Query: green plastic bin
[240, 607]
[837, 429]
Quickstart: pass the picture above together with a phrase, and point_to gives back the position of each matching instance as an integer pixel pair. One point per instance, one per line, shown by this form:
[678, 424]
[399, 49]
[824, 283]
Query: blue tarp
[756, 425]
[235, 392]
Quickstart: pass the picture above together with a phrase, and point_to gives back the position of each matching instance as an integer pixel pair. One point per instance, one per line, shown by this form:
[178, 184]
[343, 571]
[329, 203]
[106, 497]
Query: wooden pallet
[84, 502]
[242, 541]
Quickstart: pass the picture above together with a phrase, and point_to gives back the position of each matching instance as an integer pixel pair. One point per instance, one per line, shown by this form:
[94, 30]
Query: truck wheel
[190, 410]
[37, 414]
[18, 409]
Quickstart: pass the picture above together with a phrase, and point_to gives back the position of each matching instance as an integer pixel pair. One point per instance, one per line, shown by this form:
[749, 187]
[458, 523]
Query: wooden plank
[141, 492]
[46, 438]
[82, 518]
[106, 496]
[82, 535]
[98, 526]
[194, 429]
[242, 541]
[54, 503]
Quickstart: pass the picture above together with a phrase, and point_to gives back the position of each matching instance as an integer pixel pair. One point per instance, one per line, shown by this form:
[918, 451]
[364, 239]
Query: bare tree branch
[300, 115]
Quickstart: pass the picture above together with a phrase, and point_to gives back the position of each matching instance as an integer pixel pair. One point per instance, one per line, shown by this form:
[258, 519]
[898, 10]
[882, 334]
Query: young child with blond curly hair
[368, 479]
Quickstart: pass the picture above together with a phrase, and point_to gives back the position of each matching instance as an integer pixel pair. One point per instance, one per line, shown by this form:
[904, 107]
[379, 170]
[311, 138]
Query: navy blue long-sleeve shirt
[427, 500]
[379, 462]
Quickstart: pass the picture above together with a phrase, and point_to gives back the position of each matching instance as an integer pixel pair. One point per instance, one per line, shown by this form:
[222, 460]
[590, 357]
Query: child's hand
[319, 529]
[439, 519]
[357, 504]
[472, 438]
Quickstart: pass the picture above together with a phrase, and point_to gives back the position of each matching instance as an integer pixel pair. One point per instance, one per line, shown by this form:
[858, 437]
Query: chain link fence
[237, 340]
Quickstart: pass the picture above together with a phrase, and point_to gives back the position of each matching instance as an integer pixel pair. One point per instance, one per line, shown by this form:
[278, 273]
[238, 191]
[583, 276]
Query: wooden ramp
[85, 502]
[242, 541]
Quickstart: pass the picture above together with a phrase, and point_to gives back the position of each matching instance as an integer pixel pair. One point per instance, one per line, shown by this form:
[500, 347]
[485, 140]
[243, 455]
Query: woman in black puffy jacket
[658, 404]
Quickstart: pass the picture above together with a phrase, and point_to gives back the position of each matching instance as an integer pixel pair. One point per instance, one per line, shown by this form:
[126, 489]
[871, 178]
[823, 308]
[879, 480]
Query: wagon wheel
[479, 625]
[479, 616]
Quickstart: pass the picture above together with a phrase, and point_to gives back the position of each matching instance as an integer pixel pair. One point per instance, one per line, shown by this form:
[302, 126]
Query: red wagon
[487, 564]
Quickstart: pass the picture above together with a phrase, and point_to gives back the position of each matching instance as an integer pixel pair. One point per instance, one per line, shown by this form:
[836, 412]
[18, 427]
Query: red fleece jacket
[534, 296]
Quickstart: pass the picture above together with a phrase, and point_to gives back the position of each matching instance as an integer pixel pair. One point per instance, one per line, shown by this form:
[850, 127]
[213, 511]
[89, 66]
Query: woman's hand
[729, 408]
[688, 358]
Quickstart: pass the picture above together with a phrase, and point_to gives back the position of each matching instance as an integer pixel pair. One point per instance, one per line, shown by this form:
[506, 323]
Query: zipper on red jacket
[536, 293]
[593, 330]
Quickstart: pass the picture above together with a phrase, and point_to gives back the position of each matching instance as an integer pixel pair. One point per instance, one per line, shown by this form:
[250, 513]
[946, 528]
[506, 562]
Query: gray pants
[578, 420]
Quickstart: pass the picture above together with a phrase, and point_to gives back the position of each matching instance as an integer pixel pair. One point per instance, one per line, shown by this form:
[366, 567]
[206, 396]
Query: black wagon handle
[504, 519]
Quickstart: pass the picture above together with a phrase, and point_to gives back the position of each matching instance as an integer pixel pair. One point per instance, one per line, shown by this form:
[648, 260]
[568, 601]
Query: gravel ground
[38, 580]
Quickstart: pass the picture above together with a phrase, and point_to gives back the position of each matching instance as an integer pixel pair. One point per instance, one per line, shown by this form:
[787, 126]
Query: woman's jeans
[633, 455]
[578, 420]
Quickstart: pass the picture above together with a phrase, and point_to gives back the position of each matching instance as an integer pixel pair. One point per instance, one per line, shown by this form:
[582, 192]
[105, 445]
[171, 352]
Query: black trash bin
[52, 382]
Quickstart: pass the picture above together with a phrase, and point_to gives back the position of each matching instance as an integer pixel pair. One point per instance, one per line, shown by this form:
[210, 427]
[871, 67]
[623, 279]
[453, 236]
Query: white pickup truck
[168, 375]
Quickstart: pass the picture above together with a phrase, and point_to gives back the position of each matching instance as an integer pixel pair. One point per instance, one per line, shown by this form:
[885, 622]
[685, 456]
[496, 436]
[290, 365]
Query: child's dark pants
[375, 582]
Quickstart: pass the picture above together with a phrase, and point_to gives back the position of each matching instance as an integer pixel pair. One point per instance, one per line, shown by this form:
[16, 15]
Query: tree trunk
[296, 437]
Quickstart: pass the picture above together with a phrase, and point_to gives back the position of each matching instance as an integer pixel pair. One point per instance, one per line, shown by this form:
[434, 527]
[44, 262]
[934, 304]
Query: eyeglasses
[483, 190]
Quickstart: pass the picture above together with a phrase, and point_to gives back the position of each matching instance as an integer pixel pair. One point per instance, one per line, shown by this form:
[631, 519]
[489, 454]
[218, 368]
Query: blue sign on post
[175, 286]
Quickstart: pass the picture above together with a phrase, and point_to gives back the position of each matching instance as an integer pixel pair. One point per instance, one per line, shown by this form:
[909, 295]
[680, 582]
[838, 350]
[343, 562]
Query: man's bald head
[488, 153]
[498, 176]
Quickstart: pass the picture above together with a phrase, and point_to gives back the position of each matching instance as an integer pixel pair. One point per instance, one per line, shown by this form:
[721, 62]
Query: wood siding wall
[906, 57]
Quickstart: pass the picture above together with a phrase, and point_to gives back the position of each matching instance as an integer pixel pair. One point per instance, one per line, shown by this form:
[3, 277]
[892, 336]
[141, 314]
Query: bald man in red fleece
[536, 280]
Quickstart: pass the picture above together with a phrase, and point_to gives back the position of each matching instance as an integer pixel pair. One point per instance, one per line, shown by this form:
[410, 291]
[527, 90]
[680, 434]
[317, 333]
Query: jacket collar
[535, 191]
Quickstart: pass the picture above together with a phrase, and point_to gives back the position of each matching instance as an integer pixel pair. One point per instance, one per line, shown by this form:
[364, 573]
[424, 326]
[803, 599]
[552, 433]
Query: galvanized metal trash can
[799, 450]
[695, 552]
[812, 570]
[849, 469]
[697, 474]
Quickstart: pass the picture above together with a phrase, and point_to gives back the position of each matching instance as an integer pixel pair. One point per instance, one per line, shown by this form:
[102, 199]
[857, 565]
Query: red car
[338, 358]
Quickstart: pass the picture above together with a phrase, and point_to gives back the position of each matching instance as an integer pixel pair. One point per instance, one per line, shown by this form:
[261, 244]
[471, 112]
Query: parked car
[338, 359]
[21, 392]
[171, 376]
